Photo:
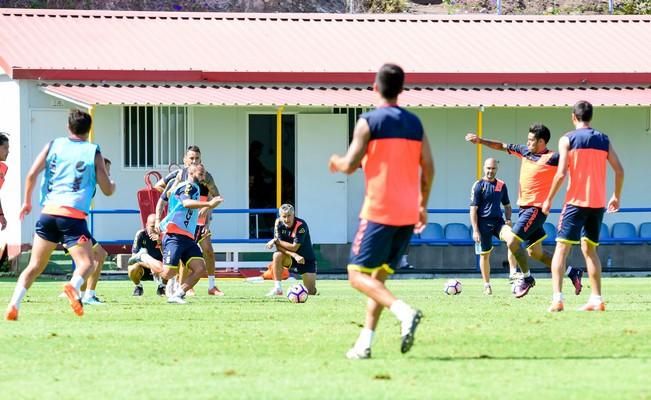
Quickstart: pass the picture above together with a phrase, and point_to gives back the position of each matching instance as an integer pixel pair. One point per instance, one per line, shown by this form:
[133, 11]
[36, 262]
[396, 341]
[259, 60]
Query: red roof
[334, 96]
[309, 48]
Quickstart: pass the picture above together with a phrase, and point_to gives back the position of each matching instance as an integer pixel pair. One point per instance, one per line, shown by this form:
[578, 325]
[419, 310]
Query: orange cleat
[73, 298]
[556, 306]
[215, 292]
[593, 307]
[11, 314]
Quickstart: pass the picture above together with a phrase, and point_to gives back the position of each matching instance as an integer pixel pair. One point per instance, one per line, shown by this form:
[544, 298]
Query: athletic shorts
[308, 268]
[201, 232]
[92, 241]
[67, 231]
[179, 249]
[578, 223]
[379, 246]
[487, 229]
[529, 228]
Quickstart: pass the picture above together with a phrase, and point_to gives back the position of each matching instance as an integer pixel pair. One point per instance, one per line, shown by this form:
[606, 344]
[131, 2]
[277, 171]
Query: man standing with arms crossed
[539, 164]
[392, 148]
[583, 156]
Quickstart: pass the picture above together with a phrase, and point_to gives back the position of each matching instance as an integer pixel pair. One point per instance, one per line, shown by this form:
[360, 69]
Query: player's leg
[99, 256]
[82, 255]
[514, 237]
[136, 272]
[209, 258]
[589, 243]
[485, 249]
[278, 261]
[41, 251]
[570, 225]
[513, 264]
[190, 254]
[308, 273]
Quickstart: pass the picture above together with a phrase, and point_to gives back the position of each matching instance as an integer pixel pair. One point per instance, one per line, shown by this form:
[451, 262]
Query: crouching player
[179, 226]
[146, 256]
[293, 250]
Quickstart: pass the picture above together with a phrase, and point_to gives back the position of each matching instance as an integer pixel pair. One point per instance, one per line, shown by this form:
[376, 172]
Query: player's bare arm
[561, 172]
[106, 184]
[353, 157]
[194, 204]
[616, 165]
[30, 180]
[493, 144]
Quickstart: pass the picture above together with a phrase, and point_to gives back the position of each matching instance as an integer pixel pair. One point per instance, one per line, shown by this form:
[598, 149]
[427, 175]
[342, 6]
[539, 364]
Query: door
[321, 196]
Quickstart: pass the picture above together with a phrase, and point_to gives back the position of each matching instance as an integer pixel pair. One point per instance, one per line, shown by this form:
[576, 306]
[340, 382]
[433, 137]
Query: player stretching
[73, 167]
[583, 155]
[392, 148]
[179, 226]
[539, 164]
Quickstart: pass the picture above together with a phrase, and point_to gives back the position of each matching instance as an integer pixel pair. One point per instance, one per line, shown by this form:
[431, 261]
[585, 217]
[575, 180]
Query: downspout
[480, 133]
[279, 154]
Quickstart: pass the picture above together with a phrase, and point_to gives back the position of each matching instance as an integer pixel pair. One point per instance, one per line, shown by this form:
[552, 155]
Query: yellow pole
[279, 153]
[91, 136]
[480, 132]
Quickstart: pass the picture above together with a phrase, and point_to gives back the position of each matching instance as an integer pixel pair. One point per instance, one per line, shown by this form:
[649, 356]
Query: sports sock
[19, 293]
[211, 281]
[76, 281]
[139, 284]
[526, 274]
[180, 293]
[365, 339]
[557, 297]
[403, 261]
[278, 286]
[401, 310]
[568, 271]
[89, 294]
[487, 284]
[594, 299]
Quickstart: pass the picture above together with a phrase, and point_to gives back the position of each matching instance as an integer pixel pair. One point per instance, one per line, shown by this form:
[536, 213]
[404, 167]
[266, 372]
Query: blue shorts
[179, 249]
[487, 229]
[529, 228]
[67, 231]
[308, 268]
[578, 223]
[379, 246]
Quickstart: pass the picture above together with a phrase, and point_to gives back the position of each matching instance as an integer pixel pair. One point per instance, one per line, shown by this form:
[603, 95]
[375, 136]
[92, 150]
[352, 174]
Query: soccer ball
[452, 287]
[297, 294]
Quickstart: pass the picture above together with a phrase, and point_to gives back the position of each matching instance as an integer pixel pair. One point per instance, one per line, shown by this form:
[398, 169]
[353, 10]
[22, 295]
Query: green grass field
[245, 346]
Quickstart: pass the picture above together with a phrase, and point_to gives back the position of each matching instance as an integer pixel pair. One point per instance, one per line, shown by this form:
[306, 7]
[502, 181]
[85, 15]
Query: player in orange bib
[584, 154]
[390, 145]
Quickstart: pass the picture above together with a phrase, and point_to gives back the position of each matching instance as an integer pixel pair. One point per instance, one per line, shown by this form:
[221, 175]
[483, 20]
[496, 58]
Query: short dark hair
[390, 79]
[540, 131]
[107, 161]
[79, 122]
[583, 111]
[4, 138]
[194, 148]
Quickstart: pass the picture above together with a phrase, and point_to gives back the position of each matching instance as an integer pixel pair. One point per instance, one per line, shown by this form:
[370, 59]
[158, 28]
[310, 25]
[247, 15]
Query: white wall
[222, 134]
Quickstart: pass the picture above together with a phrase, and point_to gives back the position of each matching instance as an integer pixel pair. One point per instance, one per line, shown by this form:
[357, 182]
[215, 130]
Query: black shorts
[67, 231]
[308, 268]
[529, 228]
[487, 229]
[379, 246]
[179, 249]
[578, 223]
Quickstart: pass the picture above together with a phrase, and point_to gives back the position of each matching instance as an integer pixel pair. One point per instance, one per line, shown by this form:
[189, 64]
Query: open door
[321, 197]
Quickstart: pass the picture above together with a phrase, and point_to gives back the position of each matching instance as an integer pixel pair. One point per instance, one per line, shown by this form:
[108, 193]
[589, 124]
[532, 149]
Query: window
[353, 115]
[154, 136]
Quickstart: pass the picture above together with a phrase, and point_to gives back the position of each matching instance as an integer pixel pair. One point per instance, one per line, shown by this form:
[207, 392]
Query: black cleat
[161, 290]
[408, 338]
[138, 291]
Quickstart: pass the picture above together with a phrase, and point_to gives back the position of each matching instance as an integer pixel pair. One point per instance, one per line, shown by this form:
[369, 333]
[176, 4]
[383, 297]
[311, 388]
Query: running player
[392, 148]
[486, 216]
[180, 226]
[202, 235]
[73, 167]
[539, 164]
[583, 156]
[293, 250]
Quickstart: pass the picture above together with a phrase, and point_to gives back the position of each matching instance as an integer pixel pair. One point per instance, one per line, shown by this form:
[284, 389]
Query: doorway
[262, 169]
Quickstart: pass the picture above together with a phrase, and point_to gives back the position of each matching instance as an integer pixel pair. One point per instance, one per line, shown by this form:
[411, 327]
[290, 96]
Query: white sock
[89, 294]
[557, 297]
[594, 299]
[19, 293]
[487, 284]
[139, 284]
[211, 281]
[277, 285]
[365, 339]
[403, 261]
[401, 310]
[179, 293]
[157, 279]
[526, 274]
[76, 281]
[567, 271]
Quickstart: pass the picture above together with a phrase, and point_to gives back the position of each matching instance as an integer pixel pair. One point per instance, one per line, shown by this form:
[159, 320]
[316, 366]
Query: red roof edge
[366, 78]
